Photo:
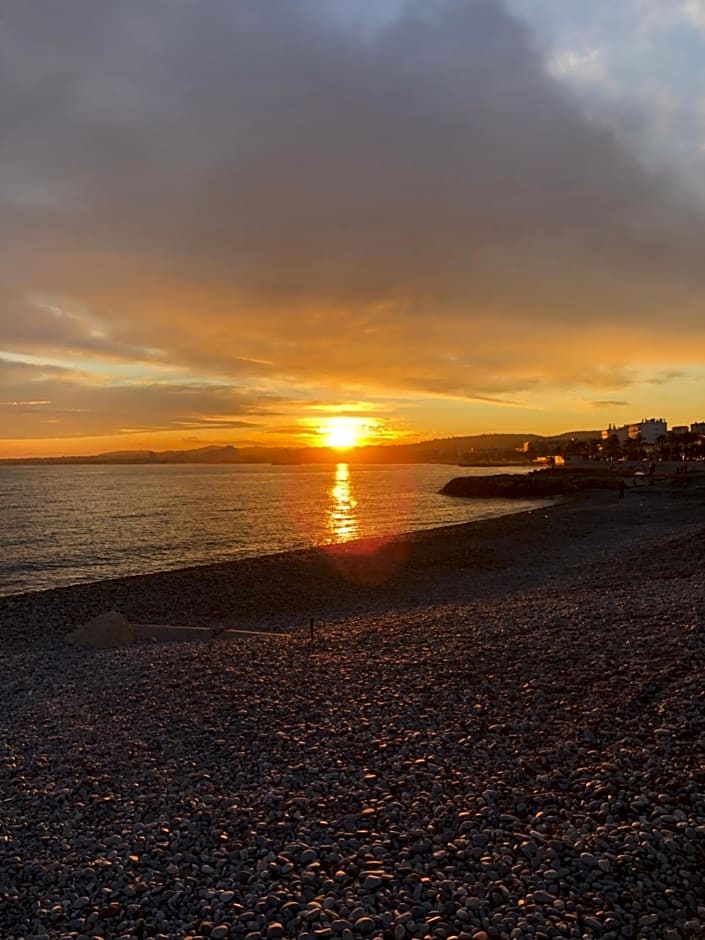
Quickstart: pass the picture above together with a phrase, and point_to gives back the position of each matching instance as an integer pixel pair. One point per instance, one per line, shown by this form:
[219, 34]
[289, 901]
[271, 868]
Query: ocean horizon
[65, 525]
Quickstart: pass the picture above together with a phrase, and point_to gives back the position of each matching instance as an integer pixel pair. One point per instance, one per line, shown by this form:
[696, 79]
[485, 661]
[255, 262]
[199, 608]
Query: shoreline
[292, 553]
[310, 581]
[284, 589]
[147, 531]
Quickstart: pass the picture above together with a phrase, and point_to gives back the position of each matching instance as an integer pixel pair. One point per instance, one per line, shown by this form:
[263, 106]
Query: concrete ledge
[163, 633]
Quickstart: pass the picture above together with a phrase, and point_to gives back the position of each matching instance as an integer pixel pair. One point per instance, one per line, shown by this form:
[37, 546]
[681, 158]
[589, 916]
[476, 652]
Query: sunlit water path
[66, 524]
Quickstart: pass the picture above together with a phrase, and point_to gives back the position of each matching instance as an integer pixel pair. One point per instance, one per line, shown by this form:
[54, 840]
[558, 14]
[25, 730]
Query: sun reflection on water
[342, 518]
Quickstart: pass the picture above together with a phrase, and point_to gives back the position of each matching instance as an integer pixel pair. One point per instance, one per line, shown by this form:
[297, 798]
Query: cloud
[26, 373]
[695, 12]
[65, 406]
[260, 189]
[609, 403]
[635, 67]
[583, 66]
[664, 378]
[49, 324]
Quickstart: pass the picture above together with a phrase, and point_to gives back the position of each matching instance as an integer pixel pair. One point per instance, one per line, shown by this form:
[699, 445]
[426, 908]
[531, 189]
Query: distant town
[648, 439]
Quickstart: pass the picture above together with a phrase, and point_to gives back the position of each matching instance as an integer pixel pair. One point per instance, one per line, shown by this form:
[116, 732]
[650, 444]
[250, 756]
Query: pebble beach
[496, 731]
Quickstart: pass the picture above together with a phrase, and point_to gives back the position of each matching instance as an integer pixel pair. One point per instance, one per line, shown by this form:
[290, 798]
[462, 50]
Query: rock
[364, 925]
[539, 484]
[107, 631]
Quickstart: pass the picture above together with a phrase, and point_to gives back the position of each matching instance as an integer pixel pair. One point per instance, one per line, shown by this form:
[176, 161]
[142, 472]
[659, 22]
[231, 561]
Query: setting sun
[342, 433]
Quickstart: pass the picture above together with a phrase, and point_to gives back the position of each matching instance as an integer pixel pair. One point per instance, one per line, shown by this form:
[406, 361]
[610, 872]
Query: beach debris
[107, 631]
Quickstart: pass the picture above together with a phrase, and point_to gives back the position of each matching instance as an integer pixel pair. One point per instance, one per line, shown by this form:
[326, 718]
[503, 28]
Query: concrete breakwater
[506, 745]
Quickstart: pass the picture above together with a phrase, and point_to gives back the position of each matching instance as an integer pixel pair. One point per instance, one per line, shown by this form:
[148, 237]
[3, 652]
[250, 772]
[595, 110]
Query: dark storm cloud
[242, 184]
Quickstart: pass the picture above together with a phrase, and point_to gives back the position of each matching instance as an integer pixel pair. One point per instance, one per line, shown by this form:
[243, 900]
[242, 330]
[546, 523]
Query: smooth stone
[365, 925]
[107, 631]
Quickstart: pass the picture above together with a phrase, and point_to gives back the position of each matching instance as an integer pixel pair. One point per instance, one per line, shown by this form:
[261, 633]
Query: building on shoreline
[647, 431]
[646, 440]
[651, 439]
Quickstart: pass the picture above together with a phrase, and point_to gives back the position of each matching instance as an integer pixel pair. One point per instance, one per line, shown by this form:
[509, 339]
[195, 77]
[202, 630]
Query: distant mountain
[477, 447]
[575, 436]
[213, 454]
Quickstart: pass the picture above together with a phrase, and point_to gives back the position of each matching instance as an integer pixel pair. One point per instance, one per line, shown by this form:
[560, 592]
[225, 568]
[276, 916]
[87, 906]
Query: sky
[229, 222]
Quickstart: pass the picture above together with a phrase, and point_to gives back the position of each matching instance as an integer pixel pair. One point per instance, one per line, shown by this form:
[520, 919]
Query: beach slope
[502, 738]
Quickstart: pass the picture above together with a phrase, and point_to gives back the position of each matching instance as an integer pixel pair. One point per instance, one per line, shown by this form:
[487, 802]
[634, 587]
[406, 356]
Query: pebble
[421, 770]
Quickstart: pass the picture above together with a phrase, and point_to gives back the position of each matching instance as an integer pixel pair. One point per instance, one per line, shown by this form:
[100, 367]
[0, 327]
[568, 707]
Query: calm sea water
[63, 525]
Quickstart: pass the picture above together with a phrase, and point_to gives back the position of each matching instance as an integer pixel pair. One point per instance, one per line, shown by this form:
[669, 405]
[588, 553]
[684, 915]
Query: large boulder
[107, 631]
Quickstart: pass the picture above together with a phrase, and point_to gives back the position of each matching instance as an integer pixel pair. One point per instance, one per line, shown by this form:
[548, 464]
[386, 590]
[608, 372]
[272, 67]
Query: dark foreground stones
[522, 761]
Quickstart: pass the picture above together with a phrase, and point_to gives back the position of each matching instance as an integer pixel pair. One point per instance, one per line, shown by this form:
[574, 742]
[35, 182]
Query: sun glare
[342, 433]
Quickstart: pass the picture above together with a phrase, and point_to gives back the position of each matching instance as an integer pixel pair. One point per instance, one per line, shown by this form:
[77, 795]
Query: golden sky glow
[291, 224]
[343, 433]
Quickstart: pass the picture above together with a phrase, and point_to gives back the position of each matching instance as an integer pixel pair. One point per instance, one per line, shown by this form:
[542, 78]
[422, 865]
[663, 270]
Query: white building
[648, 431]
[622, 434]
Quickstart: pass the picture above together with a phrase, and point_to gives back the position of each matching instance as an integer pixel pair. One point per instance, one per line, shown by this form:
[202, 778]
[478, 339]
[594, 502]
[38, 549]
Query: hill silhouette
[475, 448]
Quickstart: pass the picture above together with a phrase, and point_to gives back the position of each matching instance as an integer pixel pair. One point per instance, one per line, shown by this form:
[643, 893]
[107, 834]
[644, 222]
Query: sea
[63, 525]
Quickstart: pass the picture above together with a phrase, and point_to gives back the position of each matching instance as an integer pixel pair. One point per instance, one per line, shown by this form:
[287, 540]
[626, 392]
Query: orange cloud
[268, 207]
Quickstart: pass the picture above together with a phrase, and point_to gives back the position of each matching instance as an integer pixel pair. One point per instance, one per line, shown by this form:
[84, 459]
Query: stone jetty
[536, 484]
[563, 481]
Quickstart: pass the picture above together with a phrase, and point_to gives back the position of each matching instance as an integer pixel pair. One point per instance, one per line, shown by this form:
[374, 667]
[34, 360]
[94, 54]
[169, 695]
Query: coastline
[506, 740]
[129, 521]
[284, 590]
